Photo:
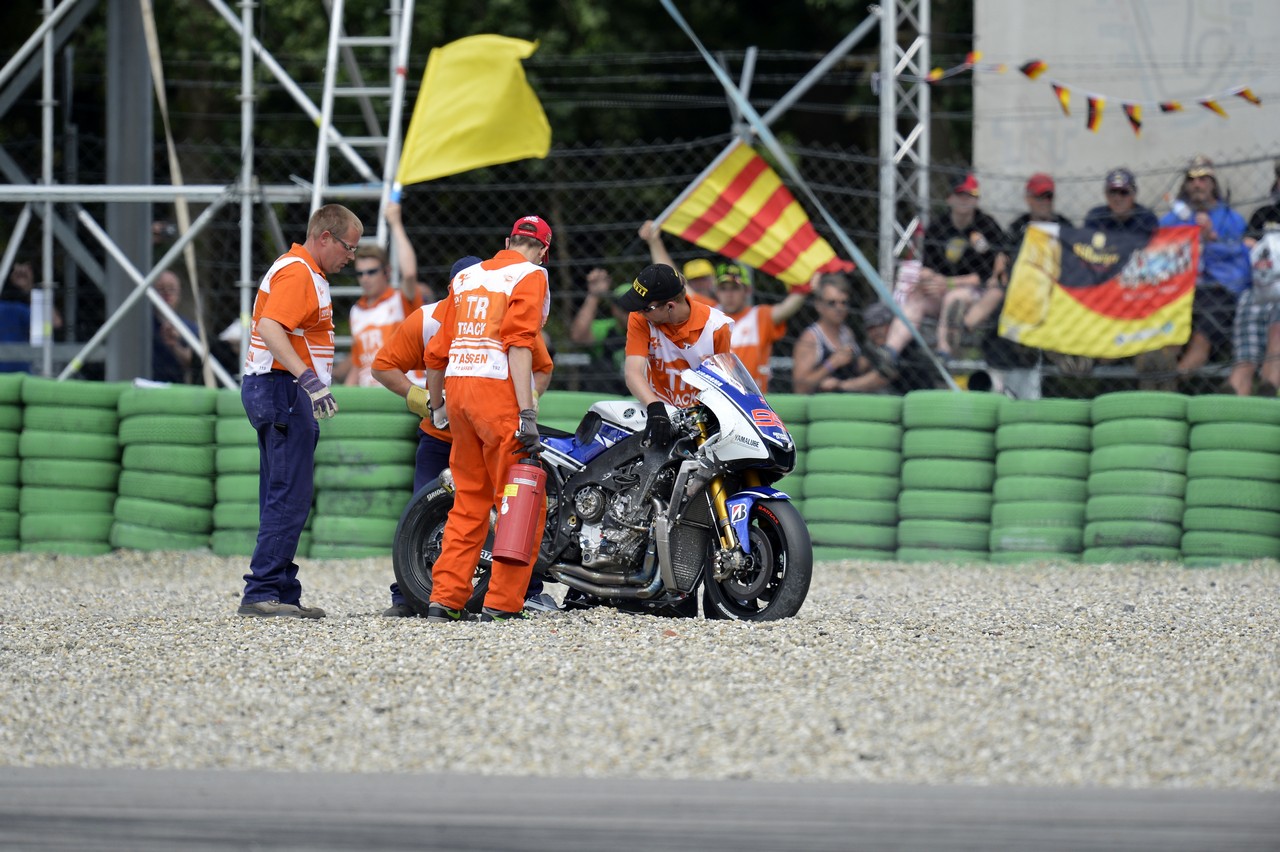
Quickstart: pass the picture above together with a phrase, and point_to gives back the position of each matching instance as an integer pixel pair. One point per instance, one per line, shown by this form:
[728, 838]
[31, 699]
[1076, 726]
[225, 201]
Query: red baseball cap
[968, 185]
[1039, 183]
[533, 226]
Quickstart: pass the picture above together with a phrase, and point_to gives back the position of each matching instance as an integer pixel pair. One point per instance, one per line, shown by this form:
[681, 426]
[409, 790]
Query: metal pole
[321, 182]
[142, 287]
[46, 177]
[15, 240]
[888, 130]
[52, 16]
[246, 173]
[837, 53]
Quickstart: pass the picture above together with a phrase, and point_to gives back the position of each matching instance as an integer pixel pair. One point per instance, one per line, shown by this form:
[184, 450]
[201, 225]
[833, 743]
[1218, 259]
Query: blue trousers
[432, 458]
[281, 414]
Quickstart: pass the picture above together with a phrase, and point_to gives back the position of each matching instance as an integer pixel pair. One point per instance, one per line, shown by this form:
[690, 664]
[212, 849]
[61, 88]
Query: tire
[948, 474]
[841, 460]
[1122, 404]
[234, 431]
[136, 537]
[846, 554]
[791, 407]
[228, 403]
[1012, 489]
[1033, 513]
[851, 485]
[35, 499]
[1234, 464]
[1217, 408]
[875, 436]
[958, 535]
[1131, 534]
[188, 430]
[339, 451]
[234, 542]
[325, 550]
[372, 425]
[170, 458]
[176, 488]
[1037, 539]
[850, 510]
[236, 488]
[348, 477]
[62, 526]
[237, 459]
[68, 548]
[39, 444]
[1120, 507]
[775, 581]
[164, 514]
[417, 545]
[10, 418]
[1125, 555]
[236, 516]
[1043, 436]
[98, 475]
[871, 536]
[363, 532]
[930, 505]
[10, 440]
[1138, 457]
[10, 471]
[363, 504]
[1070, 464]
[949, 444]
[11, 388]
[1232, 544]
[1141, 430]
[10, 497]
[855, 407]
[72, 394]
[946, 409]
[93, 421]
[1252, 437]
[1137, 483]
[1237, 493]
[354, 399]
[1073, 411]
[1217, 519]
[181, 400]
[1023, 557]
[941, 554]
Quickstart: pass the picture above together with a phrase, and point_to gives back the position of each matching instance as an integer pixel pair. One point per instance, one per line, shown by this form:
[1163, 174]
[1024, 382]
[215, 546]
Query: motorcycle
[643, 528]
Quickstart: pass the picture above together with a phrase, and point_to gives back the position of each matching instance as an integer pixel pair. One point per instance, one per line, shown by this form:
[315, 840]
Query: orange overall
[492, 307]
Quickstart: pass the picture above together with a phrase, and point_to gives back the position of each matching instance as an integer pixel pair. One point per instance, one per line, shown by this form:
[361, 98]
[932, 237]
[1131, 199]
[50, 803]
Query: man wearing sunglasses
[285, 393]
[1122, 213]
[667, 333]
[377, 314]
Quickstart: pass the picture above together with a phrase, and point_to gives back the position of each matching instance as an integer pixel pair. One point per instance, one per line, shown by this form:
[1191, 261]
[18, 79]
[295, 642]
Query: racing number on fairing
[766, 417]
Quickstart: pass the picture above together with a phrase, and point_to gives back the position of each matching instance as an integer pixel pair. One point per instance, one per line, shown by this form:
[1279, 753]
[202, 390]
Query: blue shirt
[1224, 261]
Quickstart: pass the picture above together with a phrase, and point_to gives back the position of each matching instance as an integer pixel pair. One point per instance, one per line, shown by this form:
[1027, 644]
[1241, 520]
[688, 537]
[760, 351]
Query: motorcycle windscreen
[727, 374]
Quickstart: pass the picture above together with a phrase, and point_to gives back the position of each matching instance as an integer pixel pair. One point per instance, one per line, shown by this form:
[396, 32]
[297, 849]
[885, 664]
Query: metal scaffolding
[904, 126]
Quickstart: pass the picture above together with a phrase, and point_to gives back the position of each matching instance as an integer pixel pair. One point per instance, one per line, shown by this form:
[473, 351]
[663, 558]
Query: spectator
[1122, 212]
[1267, 216]
[22, 281]
[755, 327]
[1224, 263]
[604, 336]
[172, 360]
[377, 314]
[699, 273]
[960, 256]
[1255, 334]
[826, 357]
[1039, 197]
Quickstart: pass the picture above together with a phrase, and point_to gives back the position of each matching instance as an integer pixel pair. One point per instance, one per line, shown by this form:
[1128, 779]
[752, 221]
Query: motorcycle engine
[614, 525]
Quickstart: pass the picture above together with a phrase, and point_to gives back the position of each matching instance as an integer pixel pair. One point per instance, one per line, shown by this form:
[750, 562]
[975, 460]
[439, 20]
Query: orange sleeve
[777, 330]
[403, 351]
[522, 320]
[293, 296]
[637, 335]
[541, 355]
[436, 356]
[722, 340]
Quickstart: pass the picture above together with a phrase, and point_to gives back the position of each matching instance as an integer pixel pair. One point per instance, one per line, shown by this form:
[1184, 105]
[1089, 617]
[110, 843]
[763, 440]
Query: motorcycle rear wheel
[775, 581]
[417, 546]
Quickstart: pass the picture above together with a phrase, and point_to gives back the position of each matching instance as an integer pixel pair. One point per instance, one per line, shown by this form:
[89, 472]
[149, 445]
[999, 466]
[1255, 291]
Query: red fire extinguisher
[517, 533]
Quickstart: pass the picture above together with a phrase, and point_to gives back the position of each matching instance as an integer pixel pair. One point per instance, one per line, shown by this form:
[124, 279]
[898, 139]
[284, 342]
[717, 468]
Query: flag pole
[696, 182]
[770, 141]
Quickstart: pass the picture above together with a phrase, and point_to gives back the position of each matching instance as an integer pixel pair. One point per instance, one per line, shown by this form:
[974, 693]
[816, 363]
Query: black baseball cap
[657, 282]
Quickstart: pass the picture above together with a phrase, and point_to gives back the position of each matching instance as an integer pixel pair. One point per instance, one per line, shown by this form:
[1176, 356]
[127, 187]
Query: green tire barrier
[1122, 404]
[1138, 483]
[232, 431]
[948, 474]
[99, 475]
[869, 536]
[1219, 519]
[850, 510]
[385, 503]
[135, 537]
[792, 408]
[9, 497]
[9, 443]
[228, 403]
[927, 504]
[235, 516]
[951, 555]
[948, 444]
[41, 391]
[177, 488]
[363, 400]
[320, 550]
[9, 545]
[10, 418]
[1037, 539]
[11, 388]
[1125, 555]
[41, 444]
[1231, 544]
[36, 499]
[847, 460]
[373, 532]
[1021, 557]
[1250, 437]
[947, 409]
[371, 425]
[1138, 457]
[565, 403]
[961, 535]
[563, 424]
[855, 407]
[145, 512]
[1032, 513]
[166, 429]
[1131, 534]
[1072, 411]
[10, 471]
[243, 542]
[95, 421]
[1217, 408]
[358, 477]
[68, 548]
[1070, 464]
[182, 400]
[66, 526]
[1234, 464]
[792, 486]
[366, 452]
[1165, 510]
[10, 524]
[1240, 493]
[1042, 436]
[169, 458]
[853, 485]
[1140, 430]
[236, 459]
[844, 554]
[872, 436]
[236, 488]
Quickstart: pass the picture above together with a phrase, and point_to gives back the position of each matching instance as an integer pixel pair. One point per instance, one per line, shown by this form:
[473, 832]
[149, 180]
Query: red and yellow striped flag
[742, 210]
[1096, 105]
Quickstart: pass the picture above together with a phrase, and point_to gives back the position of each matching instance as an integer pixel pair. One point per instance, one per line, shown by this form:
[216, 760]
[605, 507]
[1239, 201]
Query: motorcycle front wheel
[417, 546]
[774, 582]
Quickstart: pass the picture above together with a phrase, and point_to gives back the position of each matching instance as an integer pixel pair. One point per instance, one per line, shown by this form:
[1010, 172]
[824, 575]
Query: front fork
[730, 556]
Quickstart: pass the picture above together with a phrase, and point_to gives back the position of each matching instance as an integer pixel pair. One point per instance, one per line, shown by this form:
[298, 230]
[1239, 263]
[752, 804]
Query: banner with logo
[1101, 294]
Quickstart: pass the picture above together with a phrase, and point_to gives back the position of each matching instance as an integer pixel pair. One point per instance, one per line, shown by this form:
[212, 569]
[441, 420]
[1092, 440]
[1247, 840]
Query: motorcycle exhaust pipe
[592, 582]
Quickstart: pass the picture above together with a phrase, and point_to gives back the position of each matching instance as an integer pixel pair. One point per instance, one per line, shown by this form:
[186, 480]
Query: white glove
[440, 417]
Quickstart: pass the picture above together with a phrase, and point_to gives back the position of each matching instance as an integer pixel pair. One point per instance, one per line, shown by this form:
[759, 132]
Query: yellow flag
[475, 109]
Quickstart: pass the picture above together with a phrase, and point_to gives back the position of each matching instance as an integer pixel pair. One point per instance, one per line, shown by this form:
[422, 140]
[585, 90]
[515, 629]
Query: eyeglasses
[653, 307]
[1119, 191]
[1044, 196]
[350, 248]
[835, 303]
[361, 273]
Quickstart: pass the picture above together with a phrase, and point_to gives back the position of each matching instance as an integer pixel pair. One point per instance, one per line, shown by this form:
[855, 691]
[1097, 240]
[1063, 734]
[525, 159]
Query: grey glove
[527, 431]
[322, 402]
[657, 431]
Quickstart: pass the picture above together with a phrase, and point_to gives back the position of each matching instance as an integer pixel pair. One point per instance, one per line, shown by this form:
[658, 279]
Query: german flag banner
[1104, 295]
[741, 210]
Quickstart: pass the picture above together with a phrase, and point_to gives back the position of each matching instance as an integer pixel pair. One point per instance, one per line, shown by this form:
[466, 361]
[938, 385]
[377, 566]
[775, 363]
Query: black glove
[657, 432]
[322, 402]
[527, 431]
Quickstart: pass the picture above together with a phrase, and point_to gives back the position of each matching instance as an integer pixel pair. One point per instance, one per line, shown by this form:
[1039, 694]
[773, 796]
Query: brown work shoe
[273, 609]
[310, 611]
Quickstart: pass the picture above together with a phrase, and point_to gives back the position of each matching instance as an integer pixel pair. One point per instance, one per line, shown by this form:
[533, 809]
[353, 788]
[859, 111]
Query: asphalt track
[49, 808]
